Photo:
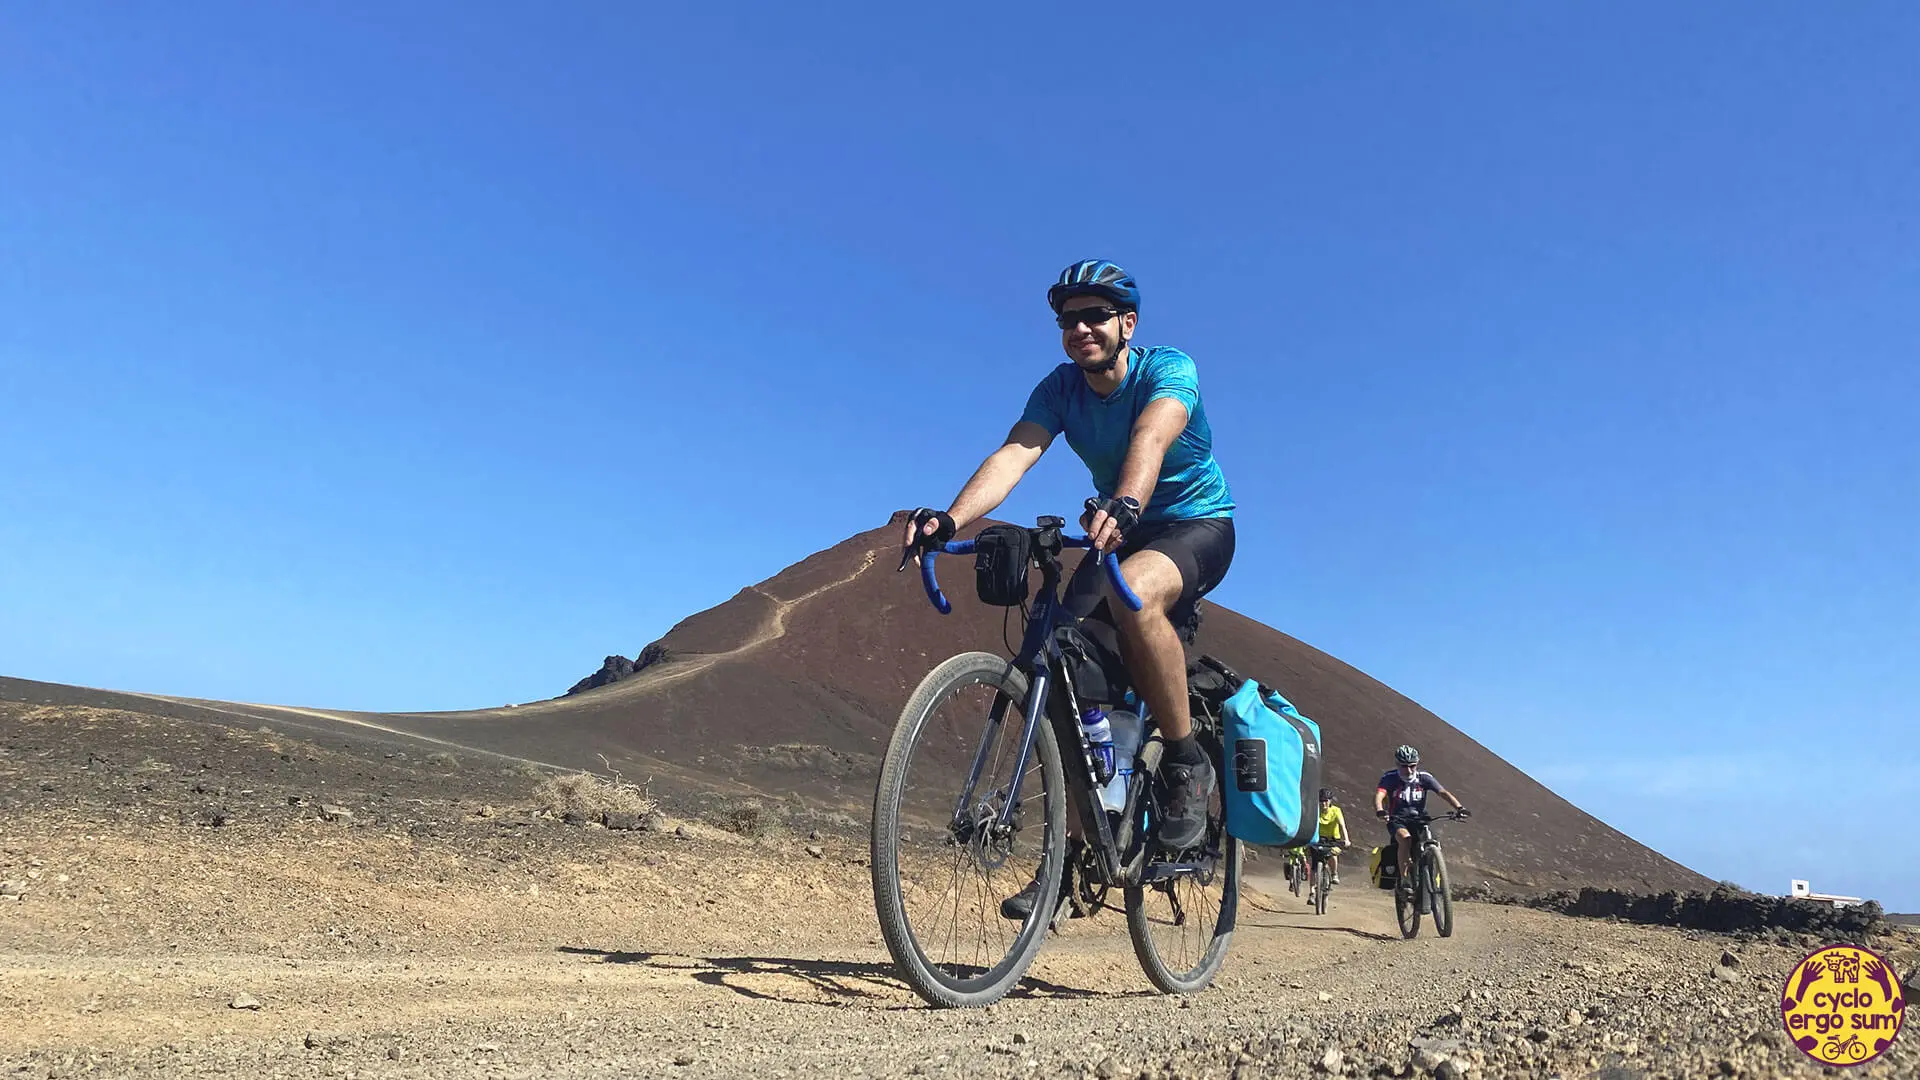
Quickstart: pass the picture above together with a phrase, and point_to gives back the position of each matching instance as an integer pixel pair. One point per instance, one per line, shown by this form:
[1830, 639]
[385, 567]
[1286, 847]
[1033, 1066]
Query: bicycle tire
[1320, 887]
[1440, 888]
[1140, 923]
[932, 980]
[1406, 902]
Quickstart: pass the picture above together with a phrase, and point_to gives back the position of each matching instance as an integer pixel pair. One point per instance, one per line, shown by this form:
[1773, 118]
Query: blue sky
[1561, 357]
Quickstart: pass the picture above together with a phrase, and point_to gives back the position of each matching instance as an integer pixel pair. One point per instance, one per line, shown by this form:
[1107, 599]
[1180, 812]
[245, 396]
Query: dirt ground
[190, 899]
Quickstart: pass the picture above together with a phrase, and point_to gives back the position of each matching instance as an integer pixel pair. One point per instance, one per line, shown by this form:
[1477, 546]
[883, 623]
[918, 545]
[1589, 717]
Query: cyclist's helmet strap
[1096, 277]
[1406, 755]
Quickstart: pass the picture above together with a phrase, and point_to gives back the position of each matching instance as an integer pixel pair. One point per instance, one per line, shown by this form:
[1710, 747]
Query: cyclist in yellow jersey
[1333, 826]
[1293, 861]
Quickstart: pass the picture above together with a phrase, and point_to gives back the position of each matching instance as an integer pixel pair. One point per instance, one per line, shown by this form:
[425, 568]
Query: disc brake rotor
[992, 841]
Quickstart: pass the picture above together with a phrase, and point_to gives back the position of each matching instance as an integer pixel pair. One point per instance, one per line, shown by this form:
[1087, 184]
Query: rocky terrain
[186, 897]
[197, 888]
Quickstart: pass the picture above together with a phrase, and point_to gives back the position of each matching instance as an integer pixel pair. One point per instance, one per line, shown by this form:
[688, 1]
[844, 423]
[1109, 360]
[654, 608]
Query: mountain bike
[1319, 874]
[1295, 864]
[1432, 889]
[973, 798]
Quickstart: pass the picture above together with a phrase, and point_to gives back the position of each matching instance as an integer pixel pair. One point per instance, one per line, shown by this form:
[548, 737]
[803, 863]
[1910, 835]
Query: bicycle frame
[1421, 840]
[1319, 853]
[1419, 835]
[1040, 658]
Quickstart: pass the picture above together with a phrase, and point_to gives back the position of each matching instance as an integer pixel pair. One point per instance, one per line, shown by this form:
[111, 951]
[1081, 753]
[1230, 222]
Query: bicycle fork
[1003, 817]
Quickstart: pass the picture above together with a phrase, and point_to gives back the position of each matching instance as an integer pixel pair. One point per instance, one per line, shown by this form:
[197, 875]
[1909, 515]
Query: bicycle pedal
[1062, 912]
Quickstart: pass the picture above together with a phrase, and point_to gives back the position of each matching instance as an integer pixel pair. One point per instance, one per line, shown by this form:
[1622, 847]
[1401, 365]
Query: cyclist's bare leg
[1159, 666]
[1149, 643]
[1406, 852]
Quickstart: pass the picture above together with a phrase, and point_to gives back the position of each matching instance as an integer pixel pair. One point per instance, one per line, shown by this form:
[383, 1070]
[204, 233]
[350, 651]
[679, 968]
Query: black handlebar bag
[1001, 556]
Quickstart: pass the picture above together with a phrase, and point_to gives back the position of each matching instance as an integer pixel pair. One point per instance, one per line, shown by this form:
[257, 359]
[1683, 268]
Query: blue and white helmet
[1096, 277]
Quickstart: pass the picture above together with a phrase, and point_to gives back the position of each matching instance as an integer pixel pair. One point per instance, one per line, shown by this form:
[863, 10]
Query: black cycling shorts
[1201, 548]
[1410, 820]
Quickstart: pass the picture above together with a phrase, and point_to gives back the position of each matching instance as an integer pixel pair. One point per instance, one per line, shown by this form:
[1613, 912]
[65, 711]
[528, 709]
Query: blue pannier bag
[1273, 768]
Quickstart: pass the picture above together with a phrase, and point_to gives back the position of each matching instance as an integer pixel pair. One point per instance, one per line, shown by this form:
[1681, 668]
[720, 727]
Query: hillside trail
[771, 628]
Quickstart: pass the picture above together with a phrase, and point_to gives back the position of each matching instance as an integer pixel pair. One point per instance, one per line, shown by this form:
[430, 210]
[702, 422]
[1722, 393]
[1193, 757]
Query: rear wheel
[1441, 892]
[941, 868]
[1181, 927]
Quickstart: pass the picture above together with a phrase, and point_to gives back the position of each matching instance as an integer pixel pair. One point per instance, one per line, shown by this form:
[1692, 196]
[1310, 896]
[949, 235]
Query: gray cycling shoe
[1020, 905]
[1183, 821]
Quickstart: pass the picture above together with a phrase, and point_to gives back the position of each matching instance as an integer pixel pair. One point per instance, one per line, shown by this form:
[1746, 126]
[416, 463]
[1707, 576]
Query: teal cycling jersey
[1190, 484]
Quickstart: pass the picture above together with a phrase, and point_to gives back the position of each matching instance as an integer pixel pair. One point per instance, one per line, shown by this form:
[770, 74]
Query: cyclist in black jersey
[1402, 798]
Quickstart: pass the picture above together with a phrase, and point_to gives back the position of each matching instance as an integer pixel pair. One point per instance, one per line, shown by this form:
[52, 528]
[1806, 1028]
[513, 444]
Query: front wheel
[1406, 898]
[1181, 927]
[1440, 890]
[1322, 881]
[944, 861]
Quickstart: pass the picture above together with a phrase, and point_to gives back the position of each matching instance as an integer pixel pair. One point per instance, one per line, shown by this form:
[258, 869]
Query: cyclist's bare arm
[994, 480]
[1448, 795]
[1160, 423]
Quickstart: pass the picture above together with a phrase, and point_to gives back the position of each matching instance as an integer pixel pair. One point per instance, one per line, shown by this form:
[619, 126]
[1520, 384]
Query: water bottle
[1127, 729]
[1099, 735]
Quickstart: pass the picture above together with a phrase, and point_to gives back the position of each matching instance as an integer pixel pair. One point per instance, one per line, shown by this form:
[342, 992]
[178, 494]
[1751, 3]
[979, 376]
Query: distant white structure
[1803, 891]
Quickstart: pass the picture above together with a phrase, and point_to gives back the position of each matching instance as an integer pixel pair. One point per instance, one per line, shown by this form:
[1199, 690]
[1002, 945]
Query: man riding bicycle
[1293, 862]
[1333, 826]
[1405, 787]
[1134, 416]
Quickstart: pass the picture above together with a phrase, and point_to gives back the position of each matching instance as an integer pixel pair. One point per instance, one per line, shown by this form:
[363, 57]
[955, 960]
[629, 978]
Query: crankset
[1089, 890]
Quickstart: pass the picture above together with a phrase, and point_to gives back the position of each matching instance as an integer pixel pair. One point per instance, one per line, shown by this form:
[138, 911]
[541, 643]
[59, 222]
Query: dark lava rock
[1725, 910]
[616, 668]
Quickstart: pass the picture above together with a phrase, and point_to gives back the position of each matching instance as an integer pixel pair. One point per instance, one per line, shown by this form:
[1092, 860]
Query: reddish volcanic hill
[792, 688]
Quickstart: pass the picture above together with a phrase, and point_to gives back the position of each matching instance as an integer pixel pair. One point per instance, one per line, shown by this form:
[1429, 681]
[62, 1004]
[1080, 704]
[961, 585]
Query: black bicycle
[1294, 862]
[973, 798]
[1432, 890]
[1319, 874]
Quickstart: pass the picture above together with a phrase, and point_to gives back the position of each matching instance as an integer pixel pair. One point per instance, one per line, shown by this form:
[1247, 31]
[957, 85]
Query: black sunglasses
[1092, 316]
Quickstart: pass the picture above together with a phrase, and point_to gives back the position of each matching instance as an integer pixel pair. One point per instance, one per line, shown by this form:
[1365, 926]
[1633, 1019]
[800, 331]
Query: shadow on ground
[845, 980]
